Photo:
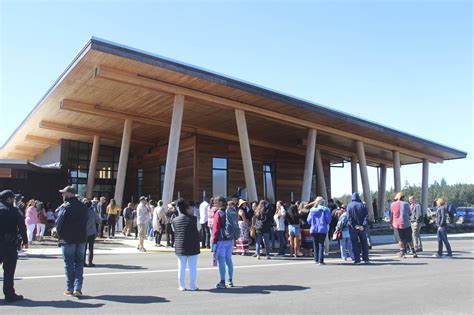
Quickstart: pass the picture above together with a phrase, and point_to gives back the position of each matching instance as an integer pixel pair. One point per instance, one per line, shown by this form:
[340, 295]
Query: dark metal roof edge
[50, 90]
[184, 68]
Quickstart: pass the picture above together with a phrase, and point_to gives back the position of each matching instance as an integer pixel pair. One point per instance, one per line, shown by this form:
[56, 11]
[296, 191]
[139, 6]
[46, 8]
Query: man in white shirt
[203, 218]
[143, 215]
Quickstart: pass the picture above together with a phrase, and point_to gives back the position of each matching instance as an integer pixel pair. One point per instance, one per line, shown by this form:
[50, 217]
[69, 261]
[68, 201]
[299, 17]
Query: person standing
[280, 227]
[102, 209]
[93, 219]
[186, 244]
[31, 219]
[319, 218]
[416, 219]
[345, 242]
[358, 217]
[210, 217]
[442, 231]
[203, 220]
[128, 216]
[294, 231]
[12, 223]
[42, 220]
[161, 216]
[72, 239]
[143, 215]
[400, 221]
[222, 245]
[113, 210]
[171, 213]
[261, 221]
[242, 244]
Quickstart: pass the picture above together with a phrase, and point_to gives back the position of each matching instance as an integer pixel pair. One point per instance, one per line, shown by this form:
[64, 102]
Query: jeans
[149, 232]
[367, 233]
[89, 245]
[206, 237]
[40, 229]
[266, 240]
[282, 242]
[359, 242]
[103, 224]
[415, 230]
[318, 246]
[9, 257]
[443, 238]
[272, 238]
[191, 261]
[159, 234]
[210, 235]
[111, 221]
[141, 235]
[224, 257]
[345, 245]
[73, 255]
[30, 228]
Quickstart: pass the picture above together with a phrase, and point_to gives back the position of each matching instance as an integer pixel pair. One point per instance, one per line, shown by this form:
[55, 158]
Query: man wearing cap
[72, 238]
[11, 223]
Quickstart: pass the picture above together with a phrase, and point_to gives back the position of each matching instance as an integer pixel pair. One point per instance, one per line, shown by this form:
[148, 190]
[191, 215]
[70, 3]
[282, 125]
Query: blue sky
[404, 64]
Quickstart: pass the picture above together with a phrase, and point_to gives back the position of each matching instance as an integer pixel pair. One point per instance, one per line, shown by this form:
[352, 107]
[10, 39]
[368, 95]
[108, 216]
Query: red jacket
[216, 226]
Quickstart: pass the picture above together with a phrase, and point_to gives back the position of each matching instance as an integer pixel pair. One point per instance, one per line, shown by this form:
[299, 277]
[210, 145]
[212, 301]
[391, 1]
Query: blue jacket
[357, 212]
[441, 214]
[319, 218]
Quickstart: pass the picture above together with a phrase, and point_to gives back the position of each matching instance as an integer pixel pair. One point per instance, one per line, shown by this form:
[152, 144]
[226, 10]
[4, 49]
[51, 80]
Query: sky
[403, 64]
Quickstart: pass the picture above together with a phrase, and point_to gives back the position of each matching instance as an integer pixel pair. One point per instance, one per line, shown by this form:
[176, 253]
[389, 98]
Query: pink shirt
[31, 216]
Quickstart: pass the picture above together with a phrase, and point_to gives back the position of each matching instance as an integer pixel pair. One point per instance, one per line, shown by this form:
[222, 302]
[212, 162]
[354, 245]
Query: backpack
[230, 230]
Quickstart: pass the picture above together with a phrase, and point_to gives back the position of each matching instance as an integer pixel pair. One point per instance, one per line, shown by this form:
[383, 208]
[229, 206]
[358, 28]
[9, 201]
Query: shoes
[254, 255]
[258, 257]
[86, 265]
[68, 293]
[194, 289]
[181, 289]
[356, 262]
[268, 257]
[202, 247]
[230, 284]
[449, 257]
[419, 250]
[321, 264]
[13, 298]
[91, 265]
[221, 285]
[366, 262]
[436, 256]
[208, 247]
[415, 255]
[370, 246]
[77, 293]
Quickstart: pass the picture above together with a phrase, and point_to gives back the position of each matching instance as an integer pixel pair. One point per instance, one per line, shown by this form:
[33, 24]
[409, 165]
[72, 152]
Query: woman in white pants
[31, 219]
[186, 244]
[42, 219]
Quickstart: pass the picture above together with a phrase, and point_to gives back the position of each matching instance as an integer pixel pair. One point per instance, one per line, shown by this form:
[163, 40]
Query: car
[464, 214]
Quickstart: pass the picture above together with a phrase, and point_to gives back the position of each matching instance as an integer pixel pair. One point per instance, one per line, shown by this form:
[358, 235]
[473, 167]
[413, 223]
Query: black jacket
[11, 223]
[74, 228]
[186, 235]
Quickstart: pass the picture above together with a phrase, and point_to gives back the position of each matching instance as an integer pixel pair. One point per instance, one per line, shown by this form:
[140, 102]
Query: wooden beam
[28, 149]
[20, 156]
[86, 132]
[41, 140]
[142, 81]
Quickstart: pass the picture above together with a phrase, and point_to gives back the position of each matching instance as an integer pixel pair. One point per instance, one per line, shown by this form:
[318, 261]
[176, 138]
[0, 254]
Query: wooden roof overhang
[107, 83]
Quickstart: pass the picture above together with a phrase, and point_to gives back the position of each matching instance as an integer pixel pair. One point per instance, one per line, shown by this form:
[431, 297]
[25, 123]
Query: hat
[69, 189]
[241, 202]
[6, 194]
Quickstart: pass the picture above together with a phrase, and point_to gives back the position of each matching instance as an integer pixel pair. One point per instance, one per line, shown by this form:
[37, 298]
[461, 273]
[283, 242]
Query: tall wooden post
[320, 175]
[424, 186]
[123, 161]
[354, 177]
[246, 154]
[365, 178]
[309, 165]
[92, 167]
[173, 149]
[397, 181]
[382, 187]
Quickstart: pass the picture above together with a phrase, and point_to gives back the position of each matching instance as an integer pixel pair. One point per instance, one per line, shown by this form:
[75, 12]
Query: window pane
[219, 163]
[270, 191]
[81, 190]
[219, 183]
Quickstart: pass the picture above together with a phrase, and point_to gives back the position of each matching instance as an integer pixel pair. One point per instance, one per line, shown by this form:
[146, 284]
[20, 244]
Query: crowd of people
[226, 226]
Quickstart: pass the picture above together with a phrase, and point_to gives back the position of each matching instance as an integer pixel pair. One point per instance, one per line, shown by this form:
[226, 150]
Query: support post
[309, 165]
[320, 175]
[92, 167]
[355, 187]
[246, 154]
[123, 161]
[173, 149]
[365, 178]
[396, 171]
[424, 186]
[382, 187]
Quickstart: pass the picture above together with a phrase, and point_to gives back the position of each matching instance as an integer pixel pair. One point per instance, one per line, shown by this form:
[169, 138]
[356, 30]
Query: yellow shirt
[114, 211]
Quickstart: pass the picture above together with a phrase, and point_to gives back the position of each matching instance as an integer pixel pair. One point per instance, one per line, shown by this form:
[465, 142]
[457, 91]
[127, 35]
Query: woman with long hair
[294, 231]
[262, 223]
[42, 220]
[280, 227]
[31, 219]
[243, 242]
[113, 211]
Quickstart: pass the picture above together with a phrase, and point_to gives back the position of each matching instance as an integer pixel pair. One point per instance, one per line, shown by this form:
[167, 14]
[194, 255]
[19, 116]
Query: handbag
[337, 235]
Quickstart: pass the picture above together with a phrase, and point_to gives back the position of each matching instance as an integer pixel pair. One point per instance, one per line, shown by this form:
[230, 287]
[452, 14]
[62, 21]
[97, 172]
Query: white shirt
[280, 222]
[142, 214]
[203, 212]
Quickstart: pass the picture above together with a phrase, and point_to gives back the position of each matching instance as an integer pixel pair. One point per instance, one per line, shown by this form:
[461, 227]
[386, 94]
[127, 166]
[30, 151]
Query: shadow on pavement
[28, 256]
[55, 304]
[119, 266]
[129, 299]
[259, 289]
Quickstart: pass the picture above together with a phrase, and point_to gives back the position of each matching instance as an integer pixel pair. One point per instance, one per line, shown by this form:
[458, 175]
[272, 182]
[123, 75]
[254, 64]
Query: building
[122, 123]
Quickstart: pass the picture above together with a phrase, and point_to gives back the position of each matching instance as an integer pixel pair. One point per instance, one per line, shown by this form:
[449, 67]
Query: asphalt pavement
[128, 282]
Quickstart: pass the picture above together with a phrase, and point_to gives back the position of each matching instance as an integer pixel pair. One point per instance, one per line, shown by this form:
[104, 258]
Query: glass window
[269, 182]
[139, 181]
[162, 176]
[219, 177]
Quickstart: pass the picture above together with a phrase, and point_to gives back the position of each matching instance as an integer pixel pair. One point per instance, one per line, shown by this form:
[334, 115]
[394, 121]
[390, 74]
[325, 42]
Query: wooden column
[196, 196]
[309, 165]
[424, 186]
[92, 167]
[397, 181]
[320, 175]
[246, 155]
[382, 187]
[365, 178]
[354, 178]
[173, 149]
[123, 161]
